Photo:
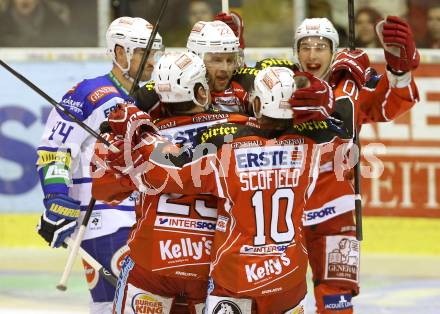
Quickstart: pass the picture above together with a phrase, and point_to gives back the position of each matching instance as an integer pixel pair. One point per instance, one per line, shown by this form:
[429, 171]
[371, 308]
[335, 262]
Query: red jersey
[233, 99]
[262, 180]
[173, 232]
[379, 104]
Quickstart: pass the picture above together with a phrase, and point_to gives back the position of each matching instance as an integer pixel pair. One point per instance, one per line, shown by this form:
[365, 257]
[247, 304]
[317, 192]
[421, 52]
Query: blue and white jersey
[66, 150]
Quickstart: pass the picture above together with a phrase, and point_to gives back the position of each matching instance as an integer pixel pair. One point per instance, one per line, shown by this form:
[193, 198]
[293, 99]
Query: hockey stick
[75, 247]
[357, 167]
[107, 275]
[148, 48]
[58, 106]
[225, 6]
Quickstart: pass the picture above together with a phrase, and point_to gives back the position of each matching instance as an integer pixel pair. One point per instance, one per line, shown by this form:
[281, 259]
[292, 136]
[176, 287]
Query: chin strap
[125, 71]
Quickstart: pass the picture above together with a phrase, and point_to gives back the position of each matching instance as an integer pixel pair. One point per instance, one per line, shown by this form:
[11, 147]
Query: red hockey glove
[315, 102]
[235, 22]
[353, 63]
[400, 49]
[127, 118]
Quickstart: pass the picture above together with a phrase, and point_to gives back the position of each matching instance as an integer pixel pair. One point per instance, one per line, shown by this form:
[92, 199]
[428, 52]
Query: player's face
[220, 67]
[149, 65]
[315, 55]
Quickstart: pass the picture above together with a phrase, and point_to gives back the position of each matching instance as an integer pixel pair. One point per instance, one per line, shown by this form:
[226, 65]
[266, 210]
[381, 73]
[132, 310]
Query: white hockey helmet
[213, 37]
[175, 76]
[274, 86]
[130, 33]
[320, 27]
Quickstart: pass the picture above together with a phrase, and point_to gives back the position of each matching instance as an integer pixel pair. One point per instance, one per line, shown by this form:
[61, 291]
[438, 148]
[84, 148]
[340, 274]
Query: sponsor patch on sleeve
[337, 302]
[342, 258]
[100, 93]
[56, 173]
[47, 157]
[222, 222]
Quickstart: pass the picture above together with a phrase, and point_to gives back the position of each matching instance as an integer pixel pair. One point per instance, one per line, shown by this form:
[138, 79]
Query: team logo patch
[92, 276]
[95, 222]
[226, 307]
[198, 27]
[270, 79]
[101, 92]
[118, 258]
[183, 61]
[222, 222]
[337, 302]
[342, 258]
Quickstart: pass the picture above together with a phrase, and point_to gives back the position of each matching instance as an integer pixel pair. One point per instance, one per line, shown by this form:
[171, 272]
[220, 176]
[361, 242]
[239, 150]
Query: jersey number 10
[277, 237]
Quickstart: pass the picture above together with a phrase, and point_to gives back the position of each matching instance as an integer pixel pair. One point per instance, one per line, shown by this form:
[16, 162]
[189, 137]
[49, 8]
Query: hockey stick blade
[106, 274]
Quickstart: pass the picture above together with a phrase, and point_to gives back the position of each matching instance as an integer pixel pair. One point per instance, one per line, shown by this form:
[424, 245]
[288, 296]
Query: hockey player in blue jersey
[65, 152]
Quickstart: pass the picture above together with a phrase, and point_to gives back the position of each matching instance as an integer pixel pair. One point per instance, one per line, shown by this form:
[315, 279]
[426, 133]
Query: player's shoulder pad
[146, 97]
[87, 95]
[224, 133]
[319, 131]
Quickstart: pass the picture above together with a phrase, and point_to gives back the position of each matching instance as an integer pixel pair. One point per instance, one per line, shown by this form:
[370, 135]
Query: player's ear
[256, 105]
[120, 56]
[202, 95]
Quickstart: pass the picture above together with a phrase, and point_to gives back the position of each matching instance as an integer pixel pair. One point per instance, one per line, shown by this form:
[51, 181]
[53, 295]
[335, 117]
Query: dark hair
[374, 15]
[276, 124]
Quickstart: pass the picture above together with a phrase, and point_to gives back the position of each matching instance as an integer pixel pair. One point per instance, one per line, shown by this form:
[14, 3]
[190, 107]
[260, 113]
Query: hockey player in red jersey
[175, 229]
[259, 264]
[259, 260]
[215, 43]
[328, 219]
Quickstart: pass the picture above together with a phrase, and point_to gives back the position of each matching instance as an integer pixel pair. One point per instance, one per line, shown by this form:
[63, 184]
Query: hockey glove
[59, 219]
[132, 156]
[315, 102]
[400, 49]
[354, 64]
[128, 121]
[235, 22]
